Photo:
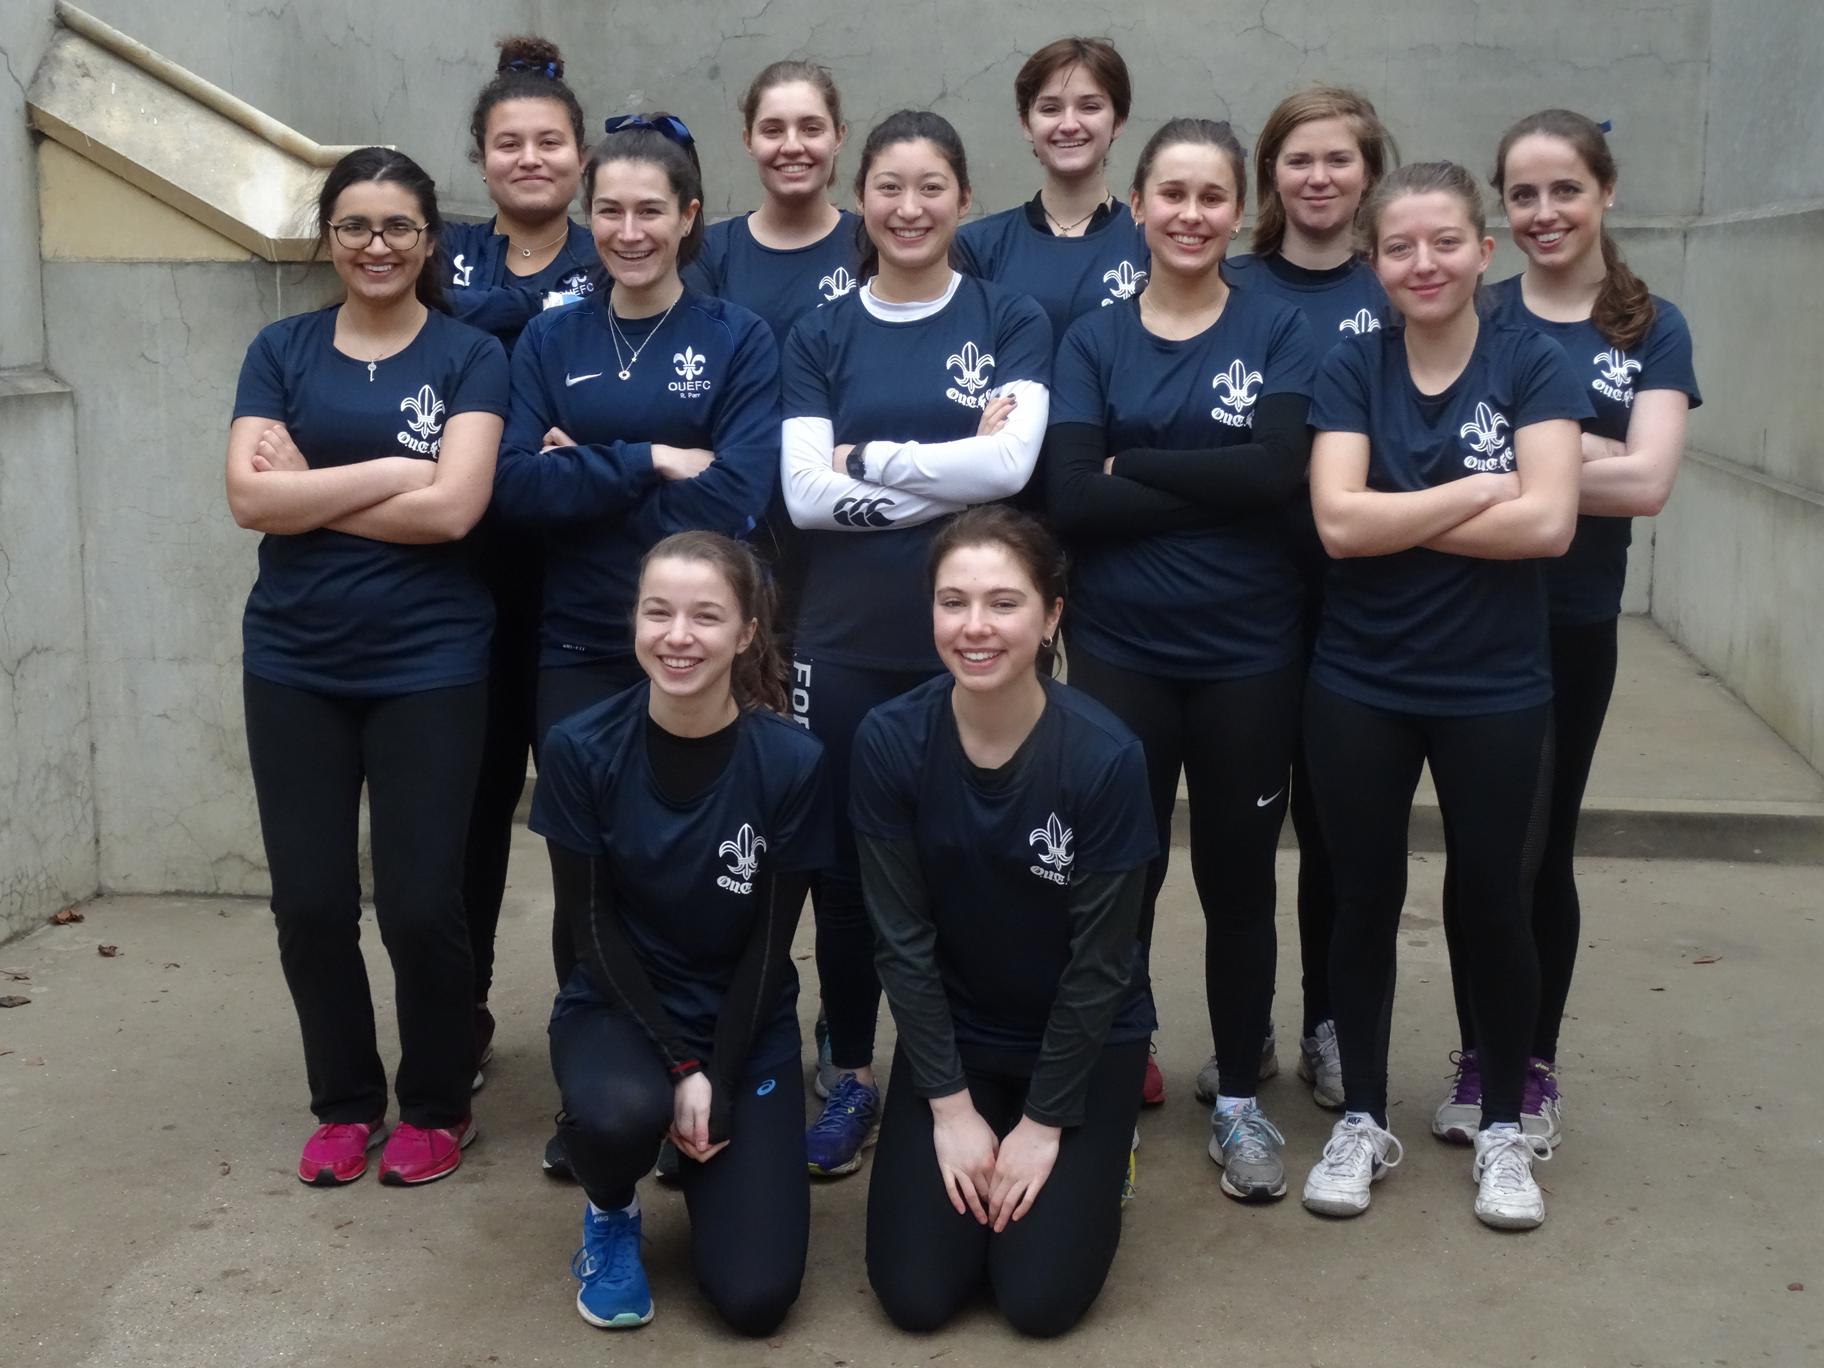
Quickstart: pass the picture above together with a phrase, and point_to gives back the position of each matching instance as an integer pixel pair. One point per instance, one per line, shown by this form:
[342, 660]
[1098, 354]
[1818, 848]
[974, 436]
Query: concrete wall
[1740, 548]
[47, 827]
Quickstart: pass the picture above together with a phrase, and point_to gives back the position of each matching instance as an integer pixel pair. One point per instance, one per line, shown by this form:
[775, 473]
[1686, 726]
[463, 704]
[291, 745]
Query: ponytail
[1624, 310]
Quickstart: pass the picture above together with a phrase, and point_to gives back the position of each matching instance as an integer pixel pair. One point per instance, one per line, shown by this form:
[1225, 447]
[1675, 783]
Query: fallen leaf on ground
[14, 1000]
[1795, 1287]
[1706, 959]
[173, 964]
[1656, 990]
[5, 1052]
[107, 951]
[17, 975]
[65, 917]
[227, 1168]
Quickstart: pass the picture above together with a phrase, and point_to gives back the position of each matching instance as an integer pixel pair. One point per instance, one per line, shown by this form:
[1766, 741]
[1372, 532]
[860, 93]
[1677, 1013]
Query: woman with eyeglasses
[363, 447]
[527, 133]
[647, 409]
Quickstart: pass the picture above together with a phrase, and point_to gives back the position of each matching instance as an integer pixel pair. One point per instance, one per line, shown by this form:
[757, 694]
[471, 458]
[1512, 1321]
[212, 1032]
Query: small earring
[1046, 642]
[1234, 232]
[1610, 204]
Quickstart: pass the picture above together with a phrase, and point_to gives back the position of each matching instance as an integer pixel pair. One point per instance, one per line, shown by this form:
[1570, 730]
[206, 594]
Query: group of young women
[755, 544]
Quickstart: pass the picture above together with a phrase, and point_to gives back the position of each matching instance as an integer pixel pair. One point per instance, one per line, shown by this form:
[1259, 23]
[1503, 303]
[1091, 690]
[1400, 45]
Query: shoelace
[847, 1100]
[1352, 1148]
[1540, 1083]
[623, 1249]
[345, 1130]
[1329, 1054]
[1503, 1165]
[1466, 1084]
[1251, 1132]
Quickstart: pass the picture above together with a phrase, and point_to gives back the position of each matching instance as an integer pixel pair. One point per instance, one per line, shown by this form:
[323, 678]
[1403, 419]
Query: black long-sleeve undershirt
[1104, 912]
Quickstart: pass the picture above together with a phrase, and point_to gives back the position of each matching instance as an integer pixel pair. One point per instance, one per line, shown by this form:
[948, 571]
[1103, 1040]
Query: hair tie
[1607, 125]
[668, 125]
[553, 69]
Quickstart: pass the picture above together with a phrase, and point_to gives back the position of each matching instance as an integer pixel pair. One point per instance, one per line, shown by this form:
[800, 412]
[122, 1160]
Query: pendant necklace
[1064, 228]
[529, 251]
[614, 330]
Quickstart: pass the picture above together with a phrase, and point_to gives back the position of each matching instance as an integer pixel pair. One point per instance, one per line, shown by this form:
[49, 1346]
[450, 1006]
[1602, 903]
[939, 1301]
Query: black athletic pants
[831, 700]
[1491, 772]
[1316, 887]
[561, 692]
[418, 754]
[511, 564]
[1583, 677]
[926, 1262]
[750, 1205]
[1234, 740]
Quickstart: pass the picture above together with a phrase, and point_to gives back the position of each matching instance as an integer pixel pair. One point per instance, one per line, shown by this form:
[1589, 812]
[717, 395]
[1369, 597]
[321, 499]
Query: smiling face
[1189, 206]
[379, 274]
[637, 222]
[1554, 202]
[688, 629]
[1071, 123]
[989, 618]
[530, 161]
[794, 142]
[1319, 175]
[1428, 256]
[912, 203]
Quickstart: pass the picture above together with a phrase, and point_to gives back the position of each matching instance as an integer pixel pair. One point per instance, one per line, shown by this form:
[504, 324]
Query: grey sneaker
[1320, 1065]
[1209, 1076]
[1247, 1146]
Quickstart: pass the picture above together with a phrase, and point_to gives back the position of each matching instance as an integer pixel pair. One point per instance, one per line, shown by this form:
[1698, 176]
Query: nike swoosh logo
[1262, 802]
[570, 379]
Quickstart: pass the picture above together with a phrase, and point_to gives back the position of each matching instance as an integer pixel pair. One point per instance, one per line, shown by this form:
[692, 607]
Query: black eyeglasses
[399, 234]
[668, 124]
[555, 70]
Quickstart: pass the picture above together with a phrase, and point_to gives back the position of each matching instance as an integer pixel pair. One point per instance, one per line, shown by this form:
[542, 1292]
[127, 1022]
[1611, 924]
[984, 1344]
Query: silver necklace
[614, 330]
[1064, 228]
[544, 246]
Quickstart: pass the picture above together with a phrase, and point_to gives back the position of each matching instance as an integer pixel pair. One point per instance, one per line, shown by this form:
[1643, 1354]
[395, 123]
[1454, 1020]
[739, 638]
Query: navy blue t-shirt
[1068, 276]
[999, 848]
[707, 376]
[1584, 585]
[1424, 631]
[685, 873]
[485, 294]
[1216, 603]
[341, 614]
[866, 600]
[779, 284]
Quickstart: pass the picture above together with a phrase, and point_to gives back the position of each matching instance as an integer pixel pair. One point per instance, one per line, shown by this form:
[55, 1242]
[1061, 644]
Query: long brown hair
[1021, 536]
[758, 677]
[1624, 309]
[1308, 106]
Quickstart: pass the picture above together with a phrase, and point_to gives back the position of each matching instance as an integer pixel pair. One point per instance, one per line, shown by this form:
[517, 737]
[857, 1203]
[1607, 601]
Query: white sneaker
[1209, 1077]
[1459, 1115]
[1321, 1065]
[1507, 1197]
[1358, 1155]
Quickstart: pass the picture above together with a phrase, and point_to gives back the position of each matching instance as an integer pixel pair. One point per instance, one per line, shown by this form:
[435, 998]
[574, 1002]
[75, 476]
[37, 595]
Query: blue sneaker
[833, 1144]
[614, 1294]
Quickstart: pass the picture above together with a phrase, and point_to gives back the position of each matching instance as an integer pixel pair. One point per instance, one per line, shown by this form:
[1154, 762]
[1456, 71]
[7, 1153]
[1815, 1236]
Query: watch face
[857, 464]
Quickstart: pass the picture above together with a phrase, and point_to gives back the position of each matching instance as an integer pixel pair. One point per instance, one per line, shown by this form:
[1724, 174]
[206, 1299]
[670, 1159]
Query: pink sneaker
[416, 1155]
[337, 1154]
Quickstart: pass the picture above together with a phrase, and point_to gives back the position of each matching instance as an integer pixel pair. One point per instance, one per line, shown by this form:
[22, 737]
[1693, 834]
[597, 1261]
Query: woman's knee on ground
[757, 1301]
[917, 1300]
[1041, 1307]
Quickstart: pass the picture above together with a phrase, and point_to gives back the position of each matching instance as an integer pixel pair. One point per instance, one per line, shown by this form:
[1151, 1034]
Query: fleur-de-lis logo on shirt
[1123, 282]
[1235, 386]
[578, 283]
[460, 277]
[426, 410]
[688, 363]
[746, 848]
[1617, 367]
[1363, 322]
[836, 284]
[970, 362]
[1054, 836]
[1486, 438]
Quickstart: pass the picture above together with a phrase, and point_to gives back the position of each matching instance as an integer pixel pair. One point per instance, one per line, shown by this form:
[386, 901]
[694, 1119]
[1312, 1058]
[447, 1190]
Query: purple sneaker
[1459, 1116]
[1541, 1108]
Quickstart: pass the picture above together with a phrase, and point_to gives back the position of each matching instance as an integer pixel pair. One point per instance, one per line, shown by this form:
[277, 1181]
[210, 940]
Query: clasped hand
[690, 1098]
[996, 1181]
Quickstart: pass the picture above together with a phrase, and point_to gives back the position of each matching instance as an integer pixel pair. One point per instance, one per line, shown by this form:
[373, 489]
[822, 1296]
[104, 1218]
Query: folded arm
[1354, 520]
[970, 470]
[1633, 479]
[818, 496]
[1543, 518]
[1263, 473]
[286, 502]
[452, 503]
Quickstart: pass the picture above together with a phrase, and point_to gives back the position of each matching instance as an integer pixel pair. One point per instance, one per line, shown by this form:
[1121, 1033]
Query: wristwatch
[857, 463]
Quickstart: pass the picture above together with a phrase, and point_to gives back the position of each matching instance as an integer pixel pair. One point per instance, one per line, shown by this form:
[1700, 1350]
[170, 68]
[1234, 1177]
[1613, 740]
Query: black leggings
[1234, 740]
[562, 692]
[1491, 773]
[418, 754]
[925, 1261]
[1316, 887]
[512, 691]
[1583, 677]
[750, 1205]
[831, 700]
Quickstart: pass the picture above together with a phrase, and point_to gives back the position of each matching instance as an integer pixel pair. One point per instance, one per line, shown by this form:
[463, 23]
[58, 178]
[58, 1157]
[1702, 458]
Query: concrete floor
[151, 1106]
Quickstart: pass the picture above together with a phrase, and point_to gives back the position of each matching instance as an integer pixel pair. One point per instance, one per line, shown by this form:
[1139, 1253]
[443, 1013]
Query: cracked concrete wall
[1740, 550]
